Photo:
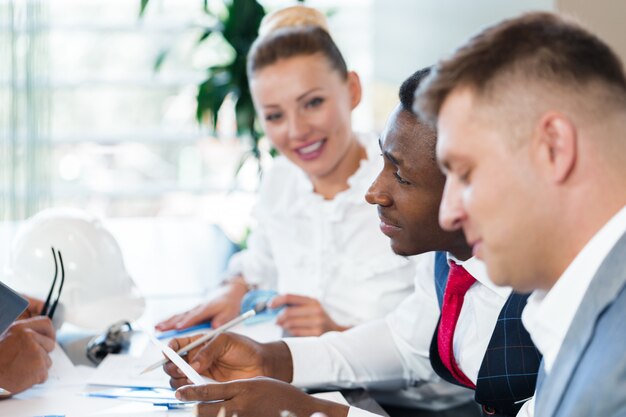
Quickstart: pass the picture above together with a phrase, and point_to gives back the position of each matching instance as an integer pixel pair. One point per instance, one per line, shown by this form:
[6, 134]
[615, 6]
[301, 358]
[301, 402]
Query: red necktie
[459, 281]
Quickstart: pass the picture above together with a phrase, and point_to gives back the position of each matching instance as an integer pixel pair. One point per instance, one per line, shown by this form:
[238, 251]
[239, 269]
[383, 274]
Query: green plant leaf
[242, 161]
[242, 24]
[205, 34]
[142, 7]
[238, 24]
[158, 62]
[239, 27]
[244, 109]
[211, 95]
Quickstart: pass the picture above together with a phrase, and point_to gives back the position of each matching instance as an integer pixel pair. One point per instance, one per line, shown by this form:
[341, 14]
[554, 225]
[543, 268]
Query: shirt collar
[561, 302]
[478, 270]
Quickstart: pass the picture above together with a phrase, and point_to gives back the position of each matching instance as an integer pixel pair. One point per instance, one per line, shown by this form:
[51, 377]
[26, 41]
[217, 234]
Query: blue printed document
[161, 397]
[142, 394]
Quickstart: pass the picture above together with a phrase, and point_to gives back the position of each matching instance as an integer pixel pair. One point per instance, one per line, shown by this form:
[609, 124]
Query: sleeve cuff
[311, 362]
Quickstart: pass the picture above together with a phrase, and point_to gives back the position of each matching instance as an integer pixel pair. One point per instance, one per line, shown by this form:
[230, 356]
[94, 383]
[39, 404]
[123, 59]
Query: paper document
[62, 372]
[334, 396]
[66, 400]
[124, 371]
[136, 394]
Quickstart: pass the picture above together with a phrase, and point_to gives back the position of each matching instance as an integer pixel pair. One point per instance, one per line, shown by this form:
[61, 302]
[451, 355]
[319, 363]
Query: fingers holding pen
[177, 344]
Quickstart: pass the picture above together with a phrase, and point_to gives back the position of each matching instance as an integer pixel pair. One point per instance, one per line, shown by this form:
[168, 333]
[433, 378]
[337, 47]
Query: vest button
[488, 411]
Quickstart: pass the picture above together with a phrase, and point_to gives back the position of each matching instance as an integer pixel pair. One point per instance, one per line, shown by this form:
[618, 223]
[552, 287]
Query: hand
[303, 316]
[223, 306]
[24, 349]
[257, 397]
[231, 356]
[34, 308]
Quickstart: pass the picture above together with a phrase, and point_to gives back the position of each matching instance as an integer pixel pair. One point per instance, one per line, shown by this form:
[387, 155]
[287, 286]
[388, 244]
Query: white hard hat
[97, 290]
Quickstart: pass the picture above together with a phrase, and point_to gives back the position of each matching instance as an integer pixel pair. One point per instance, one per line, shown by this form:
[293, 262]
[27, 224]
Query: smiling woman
[317, 240]
[308, 118]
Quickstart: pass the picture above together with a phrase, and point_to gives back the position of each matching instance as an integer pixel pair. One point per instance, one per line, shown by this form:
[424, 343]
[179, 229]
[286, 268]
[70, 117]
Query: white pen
[208, 336]
[523, 401]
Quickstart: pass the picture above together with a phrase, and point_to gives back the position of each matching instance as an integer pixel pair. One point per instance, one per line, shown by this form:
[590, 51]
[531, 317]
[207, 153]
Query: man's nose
[451, 210]
[377, 195]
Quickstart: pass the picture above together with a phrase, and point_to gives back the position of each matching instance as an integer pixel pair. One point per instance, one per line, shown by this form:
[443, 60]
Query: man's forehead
[455, 119]
[445, 153]
[398, 138]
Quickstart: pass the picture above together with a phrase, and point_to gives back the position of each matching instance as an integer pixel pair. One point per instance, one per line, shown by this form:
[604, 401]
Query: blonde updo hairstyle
[293, 31]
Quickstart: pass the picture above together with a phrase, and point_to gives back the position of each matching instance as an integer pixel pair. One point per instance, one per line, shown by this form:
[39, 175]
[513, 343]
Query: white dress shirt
[394, 352]
[331, 250]
[561, 302]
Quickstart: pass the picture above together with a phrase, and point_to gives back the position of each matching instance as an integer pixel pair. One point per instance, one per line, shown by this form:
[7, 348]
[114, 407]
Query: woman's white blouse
[332, 250]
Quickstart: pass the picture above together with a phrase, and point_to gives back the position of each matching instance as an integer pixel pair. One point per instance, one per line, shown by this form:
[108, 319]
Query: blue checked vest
[508, 372]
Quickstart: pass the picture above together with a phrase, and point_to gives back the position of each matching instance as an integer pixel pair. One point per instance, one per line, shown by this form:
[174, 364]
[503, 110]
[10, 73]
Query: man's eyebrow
[394, 160]
[387, 155]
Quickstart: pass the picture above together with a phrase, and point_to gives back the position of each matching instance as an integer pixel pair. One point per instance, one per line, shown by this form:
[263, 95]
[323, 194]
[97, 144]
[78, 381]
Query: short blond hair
[539, 48]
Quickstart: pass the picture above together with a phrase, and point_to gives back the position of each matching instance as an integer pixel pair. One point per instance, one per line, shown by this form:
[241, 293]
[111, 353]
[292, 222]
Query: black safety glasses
[50, 306]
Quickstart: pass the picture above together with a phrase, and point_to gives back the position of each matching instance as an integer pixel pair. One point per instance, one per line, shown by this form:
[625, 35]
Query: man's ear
[556, 145]
[354, 87]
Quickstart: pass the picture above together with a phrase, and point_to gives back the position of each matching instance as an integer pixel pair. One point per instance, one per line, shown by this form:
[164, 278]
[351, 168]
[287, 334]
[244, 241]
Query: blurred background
[99, 104]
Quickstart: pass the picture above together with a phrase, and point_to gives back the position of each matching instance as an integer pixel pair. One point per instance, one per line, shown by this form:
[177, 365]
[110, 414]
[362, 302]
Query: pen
[208, 336]
[523, 401]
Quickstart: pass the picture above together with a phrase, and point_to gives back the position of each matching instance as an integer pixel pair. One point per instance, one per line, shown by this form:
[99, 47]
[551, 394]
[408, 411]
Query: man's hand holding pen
[246, 363]
[230, 356]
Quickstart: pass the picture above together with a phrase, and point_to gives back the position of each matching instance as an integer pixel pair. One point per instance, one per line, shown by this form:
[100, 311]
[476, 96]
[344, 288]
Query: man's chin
[503, 277]
[401, 250]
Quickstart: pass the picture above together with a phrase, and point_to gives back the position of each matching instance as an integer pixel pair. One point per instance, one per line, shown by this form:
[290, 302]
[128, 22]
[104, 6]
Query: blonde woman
[317, 242]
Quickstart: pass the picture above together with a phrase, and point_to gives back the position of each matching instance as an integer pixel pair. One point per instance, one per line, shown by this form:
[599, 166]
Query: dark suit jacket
[509, 369]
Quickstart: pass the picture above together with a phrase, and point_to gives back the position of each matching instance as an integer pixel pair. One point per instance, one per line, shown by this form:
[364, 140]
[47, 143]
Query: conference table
[174, 262]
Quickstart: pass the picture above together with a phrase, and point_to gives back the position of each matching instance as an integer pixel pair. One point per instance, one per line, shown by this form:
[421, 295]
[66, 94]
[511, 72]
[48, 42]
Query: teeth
[311, 148]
